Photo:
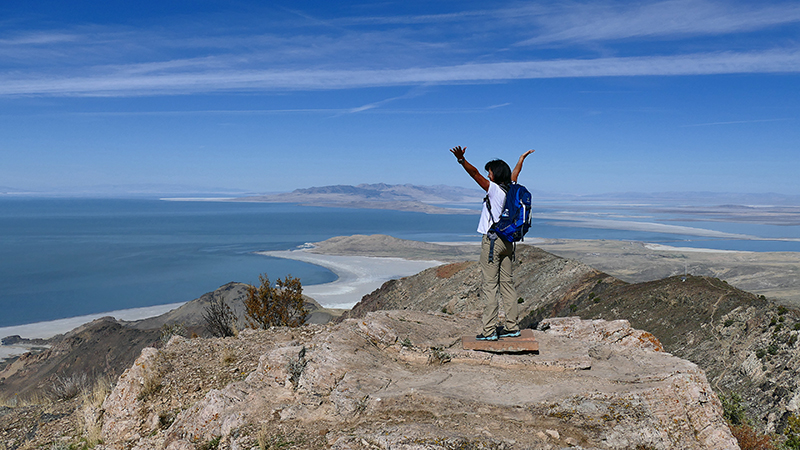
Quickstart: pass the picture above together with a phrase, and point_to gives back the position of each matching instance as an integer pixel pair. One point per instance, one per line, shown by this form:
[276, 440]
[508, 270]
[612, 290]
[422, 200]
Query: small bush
[732, 409]
[228, 357]
[219, 318]
[438, 356]
[728, 323]
[796, 326]
[520, 300]
[760, 353]
[782, 310]
[66, 388]
[773, 349]
[283, 305]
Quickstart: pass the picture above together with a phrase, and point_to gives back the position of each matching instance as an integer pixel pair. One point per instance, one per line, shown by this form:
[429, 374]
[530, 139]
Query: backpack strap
[505, 189]
[492, 237]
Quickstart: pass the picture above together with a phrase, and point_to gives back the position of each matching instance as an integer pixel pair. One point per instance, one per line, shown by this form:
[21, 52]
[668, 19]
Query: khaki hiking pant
[498, 274]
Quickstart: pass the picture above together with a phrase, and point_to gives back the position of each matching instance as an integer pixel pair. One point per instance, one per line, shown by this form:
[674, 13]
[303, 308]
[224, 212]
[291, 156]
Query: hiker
[496, 253]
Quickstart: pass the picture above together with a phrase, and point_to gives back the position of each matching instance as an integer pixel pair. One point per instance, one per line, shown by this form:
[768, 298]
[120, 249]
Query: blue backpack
[515, 220]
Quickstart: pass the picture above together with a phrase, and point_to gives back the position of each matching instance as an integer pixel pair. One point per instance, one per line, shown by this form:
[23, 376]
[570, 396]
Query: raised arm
[458, 152]
[518, 167]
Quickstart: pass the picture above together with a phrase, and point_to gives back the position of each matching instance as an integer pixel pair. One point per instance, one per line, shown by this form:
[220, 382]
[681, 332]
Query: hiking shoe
[508, 333]
[491, 337]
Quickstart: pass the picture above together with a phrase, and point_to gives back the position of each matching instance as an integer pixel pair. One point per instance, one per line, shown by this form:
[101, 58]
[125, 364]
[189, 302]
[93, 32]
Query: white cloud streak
[134, 82]
[666, 19]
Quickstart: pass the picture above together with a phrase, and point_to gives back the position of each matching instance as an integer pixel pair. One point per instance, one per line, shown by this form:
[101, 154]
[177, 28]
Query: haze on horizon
[654, 96]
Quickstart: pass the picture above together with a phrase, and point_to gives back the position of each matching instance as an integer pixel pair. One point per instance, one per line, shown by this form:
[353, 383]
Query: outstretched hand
[458, 151]
[525, 155]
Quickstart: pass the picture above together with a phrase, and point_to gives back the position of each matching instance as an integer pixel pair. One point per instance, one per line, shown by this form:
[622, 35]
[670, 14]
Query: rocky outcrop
[746, 344]
[399, 379]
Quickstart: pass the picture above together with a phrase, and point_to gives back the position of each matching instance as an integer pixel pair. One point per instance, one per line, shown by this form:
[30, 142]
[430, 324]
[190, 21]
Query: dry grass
[91, 410]
[153, 376]
[69, 387]
[228, 357]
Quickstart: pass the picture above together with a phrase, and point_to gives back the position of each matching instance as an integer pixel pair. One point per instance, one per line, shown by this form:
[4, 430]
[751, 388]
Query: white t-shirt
[497, 198]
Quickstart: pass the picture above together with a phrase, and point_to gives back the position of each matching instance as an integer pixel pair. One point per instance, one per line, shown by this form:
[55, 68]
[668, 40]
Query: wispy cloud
[671, 18]
[133, 82]
[737, 122]
[319, 53]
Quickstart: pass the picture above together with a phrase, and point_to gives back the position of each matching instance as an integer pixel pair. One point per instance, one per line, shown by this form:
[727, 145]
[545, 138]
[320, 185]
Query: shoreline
[356, 276]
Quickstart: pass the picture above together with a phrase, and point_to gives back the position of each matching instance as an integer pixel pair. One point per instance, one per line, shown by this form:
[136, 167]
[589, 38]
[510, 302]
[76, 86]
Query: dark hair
[500, 171]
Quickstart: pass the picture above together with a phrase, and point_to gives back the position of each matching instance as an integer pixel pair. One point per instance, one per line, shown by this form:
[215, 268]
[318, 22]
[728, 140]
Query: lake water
[69, 257]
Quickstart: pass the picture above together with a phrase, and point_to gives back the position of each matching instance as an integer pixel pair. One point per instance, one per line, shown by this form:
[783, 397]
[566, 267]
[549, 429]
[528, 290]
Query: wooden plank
[525, 342]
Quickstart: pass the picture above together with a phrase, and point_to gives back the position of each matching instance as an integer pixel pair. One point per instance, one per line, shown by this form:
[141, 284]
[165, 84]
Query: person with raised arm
[496, 253]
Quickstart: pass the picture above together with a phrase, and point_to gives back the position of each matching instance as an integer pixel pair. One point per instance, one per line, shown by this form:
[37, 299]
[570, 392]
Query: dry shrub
[228, 357]
[67, 388]
[750, 439]
[219, 318]
[282, 305]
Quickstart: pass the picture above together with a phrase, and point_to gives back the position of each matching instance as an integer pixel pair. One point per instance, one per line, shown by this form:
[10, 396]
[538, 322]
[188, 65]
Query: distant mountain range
[403, 197]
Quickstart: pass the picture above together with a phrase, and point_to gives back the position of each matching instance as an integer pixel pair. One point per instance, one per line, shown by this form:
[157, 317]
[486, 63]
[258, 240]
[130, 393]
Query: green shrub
[732, 409]
[772, 349]
[792, 432]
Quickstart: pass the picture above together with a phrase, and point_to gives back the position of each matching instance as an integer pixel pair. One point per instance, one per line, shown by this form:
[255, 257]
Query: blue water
[69, 257]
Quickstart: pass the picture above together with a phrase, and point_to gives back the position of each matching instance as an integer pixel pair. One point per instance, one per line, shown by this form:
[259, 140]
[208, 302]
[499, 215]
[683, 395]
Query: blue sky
[649, 96]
